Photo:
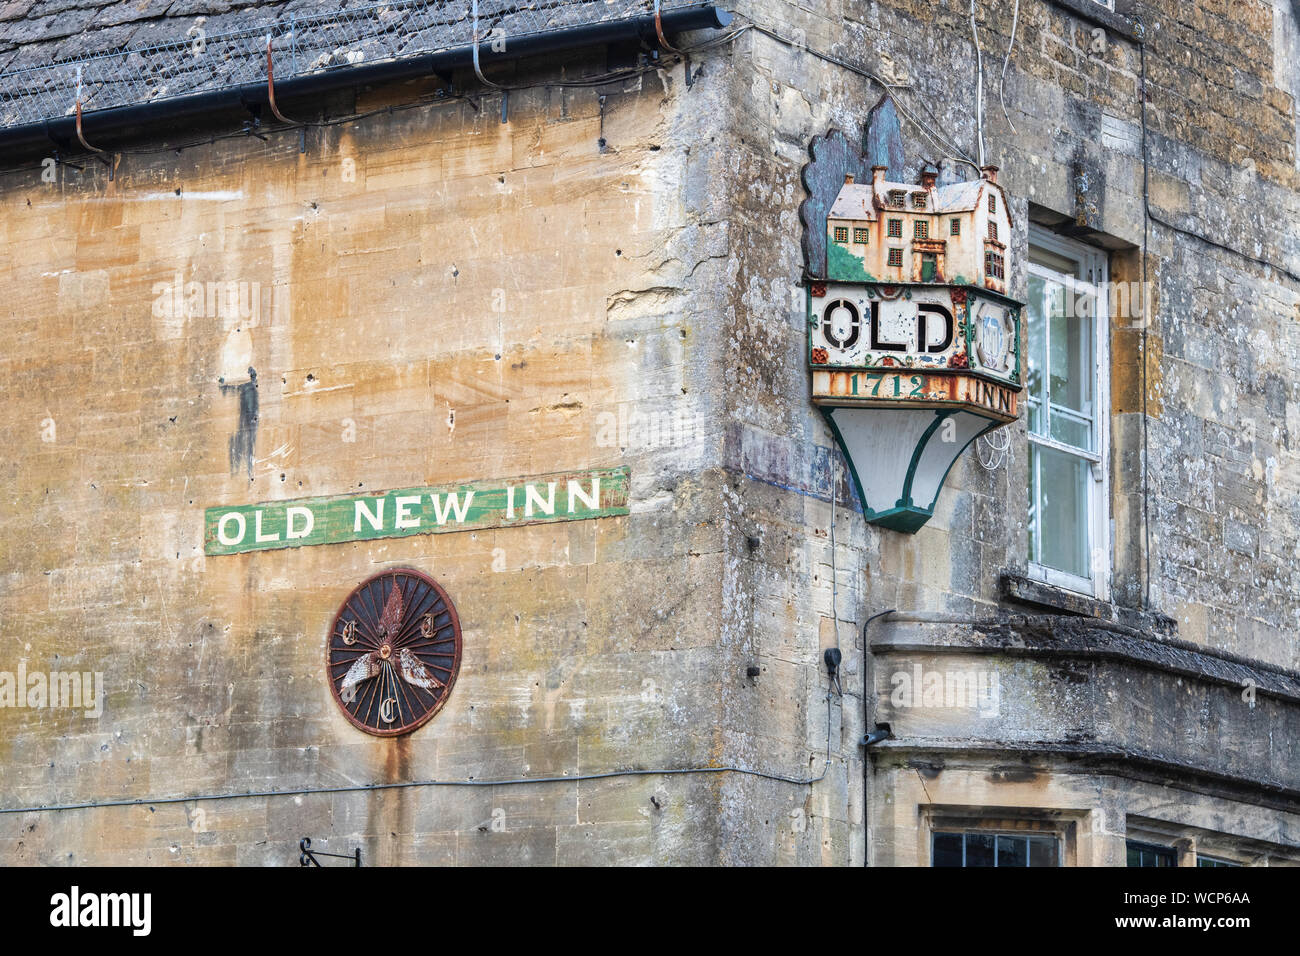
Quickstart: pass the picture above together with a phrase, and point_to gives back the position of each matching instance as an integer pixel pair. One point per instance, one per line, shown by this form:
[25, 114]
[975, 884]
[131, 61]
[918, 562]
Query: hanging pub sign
[913, 343]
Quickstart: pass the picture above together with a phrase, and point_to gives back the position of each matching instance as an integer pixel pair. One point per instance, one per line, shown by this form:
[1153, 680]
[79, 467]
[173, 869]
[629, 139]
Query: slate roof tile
[46, 34]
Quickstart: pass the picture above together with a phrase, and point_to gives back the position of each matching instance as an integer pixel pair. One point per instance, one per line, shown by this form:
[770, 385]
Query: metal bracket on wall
[307, 857]
[254, 123]
[58, 158]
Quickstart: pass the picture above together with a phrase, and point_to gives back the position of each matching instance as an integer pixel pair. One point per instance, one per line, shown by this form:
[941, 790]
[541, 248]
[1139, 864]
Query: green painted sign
[571, 496]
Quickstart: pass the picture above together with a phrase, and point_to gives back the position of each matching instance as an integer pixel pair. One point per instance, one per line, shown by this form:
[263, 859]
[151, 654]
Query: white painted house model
[894, 232]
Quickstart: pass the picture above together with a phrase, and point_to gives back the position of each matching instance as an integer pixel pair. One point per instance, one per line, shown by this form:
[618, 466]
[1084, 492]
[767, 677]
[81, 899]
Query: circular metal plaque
[394, 652]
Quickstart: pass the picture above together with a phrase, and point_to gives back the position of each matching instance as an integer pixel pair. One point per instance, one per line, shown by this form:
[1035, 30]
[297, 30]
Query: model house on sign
[891, 232]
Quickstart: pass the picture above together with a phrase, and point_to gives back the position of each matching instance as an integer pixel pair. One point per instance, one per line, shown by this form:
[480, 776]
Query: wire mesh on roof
[199, 63]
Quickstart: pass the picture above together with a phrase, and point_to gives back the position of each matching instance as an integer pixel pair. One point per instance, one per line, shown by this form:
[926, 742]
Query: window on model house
[980, 848]
[956, 227]
[994, 267]
[895, 257]
[921, 229]
[860, 236]
[841, 233]
[895, 229]
[1067, 386]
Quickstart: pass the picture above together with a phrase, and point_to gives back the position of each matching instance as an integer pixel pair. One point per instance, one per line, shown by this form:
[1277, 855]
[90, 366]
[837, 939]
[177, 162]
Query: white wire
[999, 451]
[835, 614]
[979, 83]
[935, 137]
[1015, 20]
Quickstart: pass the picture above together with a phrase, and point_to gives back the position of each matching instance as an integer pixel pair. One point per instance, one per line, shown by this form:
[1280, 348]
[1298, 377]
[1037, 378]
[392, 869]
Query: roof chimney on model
[990, 173]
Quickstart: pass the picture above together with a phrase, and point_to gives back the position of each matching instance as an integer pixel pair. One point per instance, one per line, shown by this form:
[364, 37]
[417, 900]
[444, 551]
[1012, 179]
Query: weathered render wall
[440, 297]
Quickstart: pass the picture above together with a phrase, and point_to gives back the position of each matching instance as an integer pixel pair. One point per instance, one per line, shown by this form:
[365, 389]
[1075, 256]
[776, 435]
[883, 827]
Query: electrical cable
[478, 70]
[359, 788]
[1146, 322]
[935, 138]
[835, 614]
[1006, 61]
[270, 89]
[979, 84]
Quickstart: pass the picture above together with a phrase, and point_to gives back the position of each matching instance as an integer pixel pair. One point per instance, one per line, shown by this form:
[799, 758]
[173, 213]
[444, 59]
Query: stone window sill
[1095, 13]
[1019, 589]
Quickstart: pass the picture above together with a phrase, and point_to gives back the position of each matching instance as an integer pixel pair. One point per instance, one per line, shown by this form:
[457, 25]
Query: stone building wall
[430, 297]
[1222, 495]
[474, 299]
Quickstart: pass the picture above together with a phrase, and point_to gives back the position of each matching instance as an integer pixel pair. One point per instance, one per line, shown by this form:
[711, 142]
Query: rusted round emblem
[394, 652]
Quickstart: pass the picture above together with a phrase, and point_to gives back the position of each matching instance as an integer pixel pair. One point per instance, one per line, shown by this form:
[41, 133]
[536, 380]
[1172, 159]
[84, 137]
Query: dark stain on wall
[244, 440]
[1089, 191]
[833, 157]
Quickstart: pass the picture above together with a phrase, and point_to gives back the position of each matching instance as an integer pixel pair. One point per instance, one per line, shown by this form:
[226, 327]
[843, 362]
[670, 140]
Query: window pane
[979, 849]
[1043, 851]
[1012, 851]
[1060, 513]
[947, 849]
[1070, 429]
[994, 849]
[1061, 373]
[1037, 358]
[1070, 361]
[1146, 854]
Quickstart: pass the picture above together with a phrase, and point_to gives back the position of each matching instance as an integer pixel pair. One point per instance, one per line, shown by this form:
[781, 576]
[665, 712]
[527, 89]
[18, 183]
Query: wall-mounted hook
[307, 856]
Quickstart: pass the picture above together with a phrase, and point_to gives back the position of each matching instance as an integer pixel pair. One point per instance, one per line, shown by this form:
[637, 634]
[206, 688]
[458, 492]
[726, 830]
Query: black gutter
[101, 124]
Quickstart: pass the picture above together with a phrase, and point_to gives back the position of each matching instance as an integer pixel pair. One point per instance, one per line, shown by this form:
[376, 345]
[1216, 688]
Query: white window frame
[1092, 267]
